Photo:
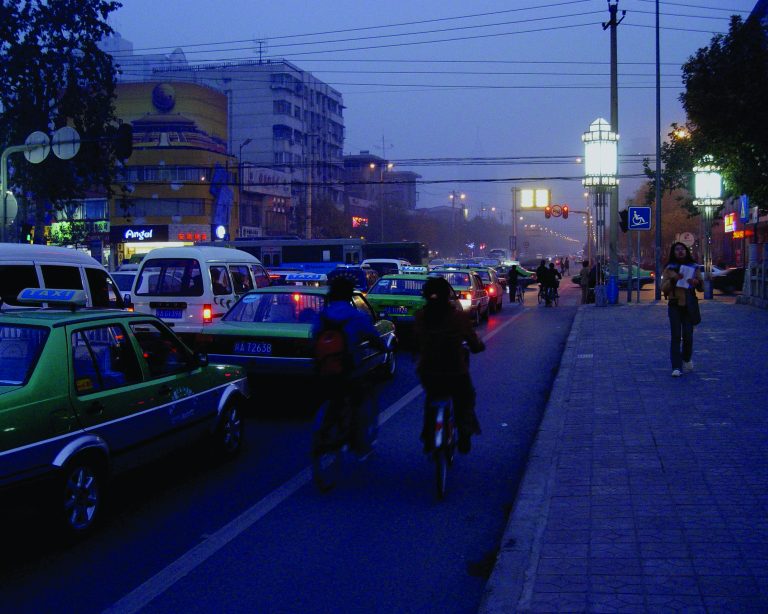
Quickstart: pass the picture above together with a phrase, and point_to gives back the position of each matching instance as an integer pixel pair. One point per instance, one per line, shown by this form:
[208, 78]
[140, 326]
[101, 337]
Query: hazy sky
[463, 80]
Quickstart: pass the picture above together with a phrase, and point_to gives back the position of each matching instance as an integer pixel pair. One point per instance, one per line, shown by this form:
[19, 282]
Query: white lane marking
[145, 593]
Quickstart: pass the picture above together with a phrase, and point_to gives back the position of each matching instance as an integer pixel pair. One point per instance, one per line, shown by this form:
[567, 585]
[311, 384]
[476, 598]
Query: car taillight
[466, 295]
[491, 290]
[207, 314]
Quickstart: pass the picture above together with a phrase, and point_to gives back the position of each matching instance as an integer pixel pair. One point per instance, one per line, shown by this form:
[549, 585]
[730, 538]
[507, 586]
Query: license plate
[402, 310]
[169, 313]
[252, 347]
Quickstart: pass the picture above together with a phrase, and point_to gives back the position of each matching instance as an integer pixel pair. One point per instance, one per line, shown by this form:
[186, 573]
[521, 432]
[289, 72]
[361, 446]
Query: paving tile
[613, 566]
[609, 536]
[615, 550]
[735, 605]
[552, 551]
[562, 565]
[671, 585]
[731, 586]
[561, 583]
[673, 604]
[617, 603]
[613, 584]
[557, 602]
[667, 566]
[711, 566]
[659, 535]
[664, 549]
[612, 511]
[566, 537]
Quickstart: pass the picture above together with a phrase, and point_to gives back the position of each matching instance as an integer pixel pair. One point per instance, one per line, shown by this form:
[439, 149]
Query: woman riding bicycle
[443, 367]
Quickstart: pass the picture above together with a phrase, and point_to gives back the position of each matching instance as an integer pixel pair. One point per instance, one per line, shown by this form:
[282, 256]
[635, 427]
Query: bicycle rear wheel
[441, 470]
[326, 450]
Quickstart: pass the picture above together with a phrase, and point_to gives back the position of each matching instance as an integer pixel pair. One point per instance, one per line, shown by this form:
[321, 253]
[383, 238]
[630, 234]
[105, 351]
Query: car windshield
[124, 281]
[456, 278]
[384, 268]
[403, 287]
[484, 275]
[170, 277]
[19, 348]
[282, 307]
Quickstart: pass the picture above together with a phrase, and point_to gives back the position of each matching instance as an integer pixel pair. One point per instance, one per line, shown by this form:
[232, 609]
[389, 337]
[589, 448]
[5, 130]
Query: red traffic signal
[547, 212]
[565, 212]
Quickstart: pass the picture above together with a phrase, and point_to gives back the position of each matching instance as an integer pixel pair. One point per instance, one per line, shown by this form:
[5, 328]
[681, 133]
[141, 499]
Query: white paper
[687, 273]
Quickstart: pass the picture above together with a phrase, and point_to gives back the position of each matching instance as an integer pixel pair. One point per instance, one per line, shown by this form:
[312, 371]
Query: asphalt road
[253, 535]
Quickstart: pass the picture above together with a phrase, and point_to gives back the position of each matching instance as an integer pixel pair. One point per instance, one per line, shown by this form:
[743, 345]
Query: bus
[320, 255]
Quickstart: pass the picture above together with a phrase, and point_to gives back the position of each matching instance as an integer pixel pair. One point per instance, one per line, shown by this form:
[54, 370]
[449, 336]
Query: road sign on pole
[639, 218]
[744, 208]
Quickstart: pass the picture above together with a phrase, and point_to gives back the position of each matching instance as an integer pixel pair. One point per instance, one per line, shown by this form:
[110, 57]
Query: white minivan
[191, 287]
[45, 266]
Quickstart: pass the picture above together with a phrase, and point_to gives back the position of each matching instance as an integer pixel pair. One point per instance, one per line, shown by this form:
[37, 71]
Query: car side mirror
[201, 358]
[128, 304]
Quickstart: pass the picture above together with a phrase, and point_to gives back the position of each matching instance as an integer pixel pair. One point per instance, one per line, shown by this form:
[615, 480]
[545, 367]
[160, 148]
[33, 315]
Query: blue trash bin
[612, 290]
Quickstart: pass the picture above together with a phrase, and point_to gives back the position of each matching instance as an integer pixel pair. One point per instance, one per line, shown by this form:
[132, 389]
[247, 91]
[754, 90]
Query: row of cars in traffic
[95, 379]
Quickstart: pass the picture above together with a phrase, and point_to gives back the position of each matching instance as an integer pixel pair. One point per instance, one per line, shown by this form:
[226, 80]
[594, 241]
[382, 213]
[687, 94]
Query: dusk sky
[485, 79]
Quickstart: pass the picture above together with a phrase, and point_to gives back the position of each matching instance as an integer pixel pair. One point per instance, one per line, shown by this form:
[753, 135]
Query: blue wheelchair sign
[639, 218]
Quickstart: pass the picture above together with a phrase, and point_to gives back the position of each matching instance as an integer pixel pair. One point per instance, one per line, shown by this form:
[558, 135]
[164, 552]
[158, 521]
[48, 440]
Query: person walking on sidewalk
[584, 281]
[681, 326]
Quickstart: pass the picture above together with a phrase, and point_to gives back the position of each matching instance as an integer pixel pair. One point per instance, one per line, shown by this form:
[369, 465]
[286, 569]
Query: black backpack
[332, 351]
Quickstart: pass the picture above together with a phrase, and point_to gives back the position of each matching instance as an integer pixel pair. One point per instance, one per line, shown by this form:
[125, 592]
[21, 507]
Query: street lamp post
[600, 166]
[453, 196]
[708, 188]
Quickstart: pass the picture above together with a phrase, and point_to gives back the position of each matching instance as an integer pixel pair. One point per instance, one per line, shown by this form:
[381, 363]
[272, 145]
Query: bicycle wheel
[441, 470]
[326, 449]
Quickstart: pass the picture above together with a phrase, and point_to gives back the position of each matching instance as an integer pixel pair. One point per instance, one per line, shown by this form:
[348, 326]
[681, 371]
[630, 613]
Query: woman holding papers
[681, 276]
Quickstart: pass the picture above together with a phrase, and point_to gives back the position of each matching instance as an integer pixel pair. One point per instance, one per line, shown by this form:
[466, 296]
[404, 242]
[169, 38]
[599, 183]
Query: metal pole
[613, 240]
[708, 252]
[637, 232]
[515, 250]
[657, 263]
[4, 182]
[630, 270]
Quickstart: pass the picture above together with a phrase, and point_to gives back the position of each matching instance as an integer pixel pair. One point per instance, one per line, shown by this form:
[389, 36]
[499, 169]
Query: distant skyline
[459, 92]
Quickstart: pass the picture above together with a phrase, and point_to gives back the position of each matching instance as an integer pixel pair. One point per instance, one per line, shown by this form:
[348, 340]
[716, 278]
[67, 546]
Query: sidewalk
[643, 492]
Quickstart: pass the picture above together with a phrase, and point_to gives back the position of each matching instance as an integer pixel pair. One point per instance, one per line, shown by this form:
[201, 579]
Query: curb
[508, 589]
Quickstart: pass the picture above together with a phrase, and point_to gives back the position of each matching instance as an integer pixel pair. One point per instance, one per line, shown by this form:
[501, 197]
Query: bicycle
[340, 426]
[520, 294]
[445, 435]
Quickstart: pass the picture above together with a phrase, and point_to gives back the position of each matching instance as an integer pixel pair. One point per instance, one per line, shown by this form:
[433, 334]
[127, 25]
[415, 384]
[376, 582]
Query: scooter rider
[443, 365]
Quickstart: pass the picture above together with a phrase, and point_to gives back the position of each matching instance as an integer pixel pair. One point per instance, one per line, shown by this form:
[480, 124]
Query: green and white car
[269, 331]
[398, 297]
[85, 393]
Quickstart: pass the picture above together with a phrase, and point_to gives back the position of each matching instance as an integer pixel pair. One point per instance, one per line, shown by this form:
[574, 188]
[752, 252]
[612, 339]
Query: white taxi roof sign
[414, 269]
[52, 296]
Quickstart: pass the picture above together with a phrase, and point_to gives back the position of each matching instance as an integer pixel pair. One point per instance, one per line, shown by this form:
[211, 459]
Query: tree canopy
[726, 86]
[54, 75]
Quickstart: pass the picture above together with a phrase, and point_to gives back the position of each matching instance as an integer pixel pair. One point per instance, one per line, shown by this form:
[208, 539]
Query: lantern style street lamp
[708, 189]
[600, 169]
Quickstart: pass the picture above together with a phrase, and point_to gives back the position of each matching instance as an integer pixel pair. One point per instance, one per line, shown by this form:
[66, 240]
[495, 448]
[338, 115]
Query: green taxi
[269, 331]
[398, 297]
[85, 393]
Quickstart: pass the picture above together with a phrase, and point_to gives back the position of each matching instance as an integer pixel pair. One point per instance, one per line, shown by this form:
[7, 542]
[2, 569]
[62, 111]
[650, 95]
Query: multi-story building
[280, 117]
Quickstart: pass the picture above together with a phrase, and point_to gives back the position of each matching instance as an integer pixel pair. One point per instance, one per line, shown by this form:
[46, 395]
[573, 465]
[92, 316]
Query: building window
[281, 107]
[144, 207]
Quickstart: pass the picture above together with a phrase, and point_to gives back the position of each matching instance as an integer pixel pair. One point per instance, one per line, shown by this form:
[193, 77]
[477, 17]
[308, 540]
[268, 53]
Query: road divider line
[155, 586]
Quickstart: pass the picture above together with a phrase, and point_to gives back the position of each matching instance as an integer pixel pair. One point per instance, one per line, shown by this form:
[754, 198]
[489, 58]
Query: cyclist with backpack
[338, 334]
[443, 367]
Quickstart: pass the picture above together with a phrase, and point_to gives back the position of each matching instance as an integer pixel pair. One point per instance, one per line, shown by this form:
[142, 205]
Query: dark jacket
[440, 340]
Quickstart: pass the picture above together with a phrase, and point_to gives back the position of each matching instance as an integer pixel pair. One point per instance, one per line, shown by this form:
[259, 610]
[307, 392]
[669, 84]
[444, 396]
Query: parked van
[191, 287]
[44, 266]
[385, 266]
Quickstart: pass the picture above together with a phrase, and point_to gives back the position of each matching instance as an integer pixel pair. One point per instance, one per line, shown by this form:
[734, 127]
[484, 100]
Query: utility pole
[613, 238]
[657, 260]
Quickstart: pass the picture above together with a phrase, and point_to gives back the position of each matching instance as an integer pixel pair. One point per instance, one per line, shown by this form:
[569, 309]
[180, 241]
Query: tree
[54, 75]
[726, 85]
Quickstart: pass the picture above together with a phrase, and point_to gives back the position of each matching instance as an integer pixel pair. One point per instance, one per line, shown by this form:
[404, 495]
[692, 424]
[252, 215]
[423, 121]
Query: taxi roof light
[59, 298]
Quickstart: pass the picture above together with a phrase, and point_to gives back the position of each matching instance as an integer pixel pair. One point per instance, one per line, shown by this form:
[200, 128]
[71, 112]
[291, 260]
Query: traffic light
[124, 141]
[624, 220]
[547, 212]
[565, 212]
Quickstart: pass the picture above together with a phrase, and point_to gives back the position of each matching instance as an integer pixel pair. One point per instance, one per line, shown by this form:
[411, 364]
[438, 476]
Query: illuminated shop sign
[138, 234]
[730, 219]
[359, 222]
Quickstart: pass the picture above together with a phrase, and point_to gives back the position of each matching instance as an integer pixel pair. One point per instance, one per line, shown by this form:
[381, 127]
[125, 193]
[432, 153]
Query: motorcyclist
[443, 365]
